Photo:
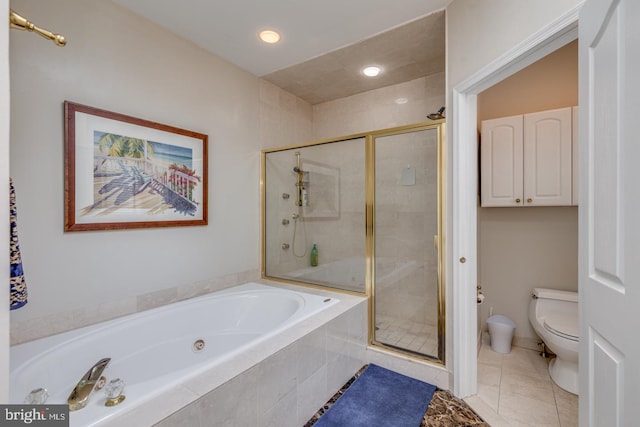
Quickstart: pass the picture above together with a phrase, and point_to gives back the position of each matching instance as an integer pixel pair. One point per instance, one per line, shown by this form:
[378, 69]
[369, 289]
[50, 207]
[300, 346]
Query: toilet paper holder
[480, 295]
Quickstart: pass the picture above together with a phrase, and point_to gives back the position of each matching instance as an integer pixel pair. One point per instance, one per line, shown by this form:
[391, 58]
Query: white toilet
[554, 316]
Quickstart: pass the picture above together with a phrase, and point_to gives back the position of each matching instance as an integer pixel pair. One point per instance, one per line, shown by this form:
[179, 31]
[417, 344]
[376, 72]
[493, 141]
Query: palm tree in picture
[125, 146]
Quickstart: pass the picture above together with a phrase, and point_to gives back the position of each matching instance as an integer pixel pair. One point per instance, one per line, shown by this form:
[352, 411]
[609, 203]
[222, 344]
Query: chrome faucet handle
[79, 397]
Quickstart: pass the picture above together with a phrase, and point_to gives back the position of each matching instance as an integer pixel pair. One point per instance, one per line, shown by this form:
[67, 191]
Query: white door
[547, 158]
[501, 162]
[609, 258]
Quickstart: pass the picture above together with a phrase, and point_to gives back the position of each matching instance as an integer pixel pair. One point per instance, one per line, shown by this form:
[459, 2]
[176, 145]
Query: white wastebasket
[501, 330]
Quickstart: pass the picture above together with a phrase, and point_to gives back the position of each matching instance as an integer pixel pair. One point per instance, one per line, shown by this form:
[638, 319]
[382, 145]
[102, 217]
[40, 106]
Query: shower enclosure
[363, 214]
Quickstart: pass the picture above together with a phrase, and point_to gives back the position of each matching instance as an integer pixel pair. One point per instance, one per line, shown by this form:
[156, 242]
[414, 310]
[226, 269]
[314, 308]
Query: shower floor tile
[413, 336]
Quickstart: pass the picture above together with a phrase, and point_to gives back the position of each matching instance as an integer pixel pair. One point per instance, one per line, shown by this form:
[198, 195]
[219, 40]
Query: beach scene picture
[143, 176]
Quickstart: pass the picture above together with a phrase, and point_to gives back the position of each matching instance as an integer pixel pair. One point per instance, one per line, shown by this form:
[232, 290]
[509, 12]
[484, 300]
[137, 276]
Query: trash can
[501, 331]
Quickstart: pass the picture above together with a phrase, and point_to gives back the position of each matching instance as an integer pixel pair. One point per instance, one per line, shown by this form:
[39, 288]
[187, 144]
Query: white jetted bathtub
[157, 349]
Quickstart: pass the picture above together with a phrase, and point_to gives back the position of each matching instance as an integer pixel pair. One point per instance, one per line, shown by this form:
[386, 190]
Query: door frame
[464, 197]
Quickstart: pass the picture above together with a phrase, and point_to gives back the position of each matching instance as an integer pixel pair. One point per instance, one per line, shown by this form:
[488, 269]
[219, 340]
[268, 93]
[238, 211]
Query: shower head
[437, 115]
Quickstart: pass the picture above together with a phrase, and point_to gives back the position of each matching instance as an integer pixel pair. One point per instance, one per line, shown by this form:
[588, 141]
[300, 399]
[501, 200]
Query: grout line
[500, 383]
[555, 399]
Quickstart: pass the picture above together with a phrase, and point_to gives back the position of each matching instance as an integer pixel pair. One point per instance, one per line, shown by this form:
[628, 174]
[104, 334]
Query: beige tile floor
[515, 390]
[414, 336]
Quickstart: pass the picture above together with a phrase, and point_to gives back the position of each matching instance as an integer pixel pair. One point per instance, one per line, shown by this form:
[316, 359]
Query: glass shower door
[407, 220]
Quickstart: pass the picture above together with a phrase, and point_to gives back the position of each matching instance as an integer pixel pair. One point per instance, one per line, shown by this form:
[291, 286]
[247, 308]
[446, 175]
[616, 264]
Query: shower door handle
[435, 242]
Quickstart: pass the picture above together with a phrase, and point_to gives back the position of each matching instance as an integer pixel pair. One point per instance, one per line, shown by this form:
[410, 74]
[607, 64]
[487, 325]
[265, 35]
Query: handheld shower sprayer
[301, 199]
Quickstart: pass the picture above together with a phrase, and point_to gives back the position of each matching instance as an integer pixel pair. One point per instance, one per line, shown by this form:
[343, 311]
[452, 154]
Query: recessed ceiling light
[400, 101]
[269, 36]
[371, 71]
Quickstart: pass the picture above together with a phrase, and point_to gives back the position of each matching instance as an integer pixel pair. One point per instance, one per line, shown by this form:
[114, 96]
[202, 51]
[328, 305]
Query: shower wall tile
[284, 118]
[377, 109]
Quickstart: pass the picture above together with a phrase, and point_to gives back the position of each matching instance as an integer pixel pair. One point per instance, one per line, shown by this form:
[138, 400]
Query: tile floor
[515, 390]
[414, 336]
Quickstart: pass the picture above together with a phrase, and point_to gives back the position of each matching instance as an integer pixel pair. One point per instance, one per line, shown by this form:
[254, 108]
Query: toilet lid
[564, 325]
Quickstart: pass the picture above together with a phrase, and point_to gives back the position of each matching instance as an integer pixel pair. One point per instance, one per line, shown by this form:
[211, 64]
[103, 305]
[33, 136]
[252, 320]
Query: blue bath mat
[380, 398]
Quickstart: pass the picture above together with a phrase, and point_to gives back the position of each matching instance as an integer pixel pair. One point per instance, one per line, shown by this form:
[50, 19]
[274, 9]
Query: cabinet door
[501, 153]
[547, 158]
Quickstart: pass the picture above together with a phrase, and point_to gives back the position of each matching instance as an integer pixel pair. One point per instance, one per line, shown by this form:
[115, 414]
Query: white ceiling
[309, 29]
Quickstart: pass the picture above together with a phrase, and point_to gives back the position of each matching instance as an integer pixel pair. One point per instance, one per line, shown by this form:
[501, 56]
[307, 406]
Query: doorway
[463, 231]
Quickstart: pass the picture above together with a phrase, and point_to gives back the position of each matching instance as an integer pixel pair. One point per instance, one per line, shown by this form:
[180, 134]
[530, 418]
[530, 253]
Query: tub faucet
[79, 397]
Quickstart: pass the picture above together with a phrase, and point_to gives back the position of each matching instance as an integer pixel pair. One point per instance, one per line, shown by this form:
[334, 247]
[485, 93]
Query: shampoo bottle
[314, 256]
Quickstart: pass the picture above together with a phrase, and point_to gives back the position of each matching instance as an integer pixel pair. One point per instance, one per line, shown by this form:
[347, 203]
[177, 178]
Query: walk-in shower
[371, 206]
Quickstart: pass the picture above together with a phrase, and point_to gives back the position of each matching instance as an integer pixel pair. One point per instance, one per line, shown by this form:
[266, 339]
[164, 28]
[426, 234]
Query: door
[408, 292]
[501, 161]
[609, 258]
[547, 158]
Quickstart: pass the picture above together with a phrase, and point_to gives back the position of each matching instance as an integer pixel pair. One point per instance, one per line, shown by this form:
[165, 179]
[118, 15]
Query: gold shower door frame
[370, 292]
[439, 127]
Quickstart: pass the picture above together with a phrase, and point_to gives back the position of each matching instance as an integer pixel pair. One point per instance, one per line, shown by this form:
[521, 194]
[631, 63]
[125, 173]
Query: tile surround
[31, 329]
[288, 386]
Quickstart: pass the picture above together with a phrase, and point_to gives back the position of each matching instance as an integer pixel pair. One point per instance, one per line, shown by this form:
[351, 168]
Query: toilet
[554, 316]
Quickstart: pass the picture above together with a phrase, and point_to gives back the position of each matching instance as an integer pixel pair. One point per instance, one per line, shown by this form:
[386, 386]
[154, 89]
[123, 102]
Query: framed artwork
[123, 172]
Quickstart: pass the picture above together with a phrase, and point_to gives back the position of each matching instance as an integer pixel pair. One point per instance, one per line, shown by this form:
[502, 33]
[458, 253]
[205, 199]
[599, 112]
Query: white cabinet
[526, 160]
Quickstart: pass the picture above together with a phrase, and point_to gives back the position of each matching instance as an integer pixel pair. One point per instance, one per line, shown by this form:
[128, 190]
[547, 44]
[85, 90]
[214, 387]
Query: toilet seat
[563, 325]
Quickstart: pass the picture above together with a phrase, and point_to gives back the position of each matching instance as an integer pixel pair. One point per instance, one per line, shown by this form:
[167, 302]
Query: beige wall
[480, 31]
[519, 249]
[551, 82]
[117, 61]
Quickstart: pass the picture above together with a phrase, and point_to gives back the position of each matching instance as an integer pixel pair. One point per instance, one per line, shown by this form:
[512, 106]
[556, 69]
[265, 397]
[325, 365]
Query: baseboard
[526, 342]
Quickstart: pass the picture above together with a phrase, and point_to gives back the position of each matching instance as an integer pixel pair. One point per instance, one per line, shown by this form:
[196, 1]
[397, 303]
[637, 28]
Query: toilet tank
[547, 301]
[555, 294]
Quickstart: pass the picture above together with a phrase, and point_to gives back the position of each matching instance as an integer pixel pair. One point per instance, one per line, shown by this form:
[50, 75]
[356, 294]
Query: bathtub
[154, 350]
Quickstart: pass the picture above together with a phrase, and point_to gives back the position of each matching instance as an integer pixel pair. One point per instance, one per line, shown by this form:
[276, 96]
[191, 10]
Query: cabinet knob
[529, 200]
[517, 200]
